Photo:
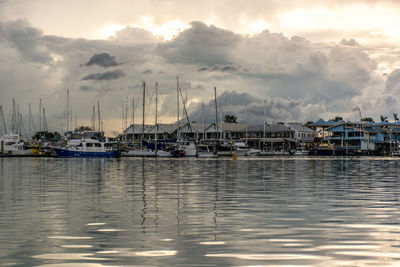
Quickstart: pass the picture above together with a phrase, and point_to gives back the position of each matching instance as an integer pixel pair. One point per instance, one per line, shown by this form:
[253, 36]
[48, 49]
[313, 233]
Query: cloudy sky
[307, 59]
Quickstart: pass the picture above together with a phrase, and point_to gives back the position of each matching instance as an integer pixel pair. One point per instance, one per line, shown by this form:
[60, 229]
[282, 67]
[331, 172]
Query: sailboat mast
[30, 120]
[246, 124]
[122, 115]
[133, 119]
[40, 115]
[144, 102]
[44, 120]
[216, 110]
[13, 118]
[18, 121]
[133, 111]
[202, 119]
[23, 127]
[265, 106]
[156, 103]
[155, 122]
[2, 118]
[94, 118]
[177, 101]
[67, 114]
[98, 114]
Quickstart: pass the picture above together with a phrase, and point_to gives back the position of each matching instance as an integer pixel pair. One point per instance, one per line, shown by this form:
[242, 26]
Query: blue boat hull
[65, 153]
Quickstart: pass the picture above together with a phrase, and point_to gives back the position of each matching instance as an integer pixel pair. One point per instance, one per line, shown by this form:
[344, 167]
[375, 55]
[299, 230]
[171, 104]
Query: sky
[297, 60]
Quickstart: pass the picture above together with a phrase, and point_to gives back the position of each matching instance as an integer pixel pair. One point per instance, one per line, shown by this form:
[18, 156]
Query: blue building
[359, 137]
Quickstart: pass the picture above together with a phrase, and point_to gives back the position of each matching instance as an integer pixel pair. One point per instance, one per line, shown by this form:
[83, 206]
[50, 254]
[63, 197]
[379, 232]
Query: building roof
[196, 127]
[277, 128]
[299, 127]
[322, 123]
[226, 127]
[137, 128]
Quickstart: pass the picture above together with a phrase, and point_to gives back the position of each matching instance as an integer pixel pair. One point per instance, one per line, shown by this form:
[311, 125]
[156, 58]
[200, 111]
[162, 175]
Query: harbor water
[200, 212]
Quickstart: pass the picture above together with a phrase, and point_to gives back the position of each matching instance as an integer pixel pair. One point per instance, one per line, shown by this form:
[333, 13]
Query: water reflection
[169, 212]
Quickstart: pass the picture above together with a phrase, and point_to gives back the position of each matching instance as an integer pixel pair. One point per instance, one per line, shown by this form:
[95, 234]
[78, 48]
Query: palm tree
[395, 117]
[383, 118]
[230, 118]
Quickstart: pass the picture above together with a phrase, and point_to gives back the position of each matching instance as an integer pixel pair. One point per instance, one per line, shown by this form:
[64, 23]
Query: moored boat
[87, 148]
[11, 144]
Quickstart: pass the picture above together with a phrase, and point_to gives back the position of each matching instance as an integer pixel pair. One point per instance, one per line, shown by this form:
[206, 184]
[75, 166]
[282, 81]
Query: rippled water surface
[192, 212]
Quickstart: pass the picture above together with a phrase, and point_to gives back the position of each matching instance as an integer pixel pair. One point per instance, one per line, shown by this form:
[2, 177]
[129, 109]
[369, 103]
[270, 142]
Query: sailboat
[11, 143]
[144, 151]
[90, 144]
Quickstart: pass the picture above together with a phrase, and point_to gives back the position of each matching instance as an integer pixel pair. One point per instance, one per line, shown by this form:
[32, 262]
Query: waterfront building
[225, 131]
[303, 135]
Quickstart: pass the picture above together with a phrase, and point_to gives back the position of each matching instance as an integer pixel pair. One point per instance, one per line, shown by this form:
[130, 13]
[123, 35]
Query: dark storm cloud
[201, 45]
[108, 75]
[222, 68]
[234, 98]
[25, 39]
[276, 109]
[84, 88]
[147, 71]
[104, 60]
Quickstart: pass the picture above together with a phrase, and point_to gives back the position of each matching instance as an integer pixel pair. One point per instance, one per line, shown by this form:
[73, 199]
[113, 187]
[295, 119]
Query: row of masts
[17, 124]
[96, 122]
[179, 98]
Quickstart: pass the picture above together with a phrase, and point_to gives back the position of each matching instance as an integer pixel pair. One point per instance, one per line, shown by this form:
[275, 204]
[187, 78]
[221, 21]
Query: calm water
[187, 212]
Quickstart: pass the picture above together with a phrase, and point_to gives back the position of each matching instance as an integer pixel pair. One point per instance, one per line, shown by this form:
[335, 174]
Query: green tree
[384, 118]
[230, 118]
[53, 136]
[395, 117]
[337, 118]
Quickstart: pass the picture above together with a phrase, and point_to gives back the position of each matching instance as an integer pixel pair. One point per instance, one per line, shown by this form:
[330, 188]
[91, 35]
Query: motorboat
[92, 148]
[11, 144]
